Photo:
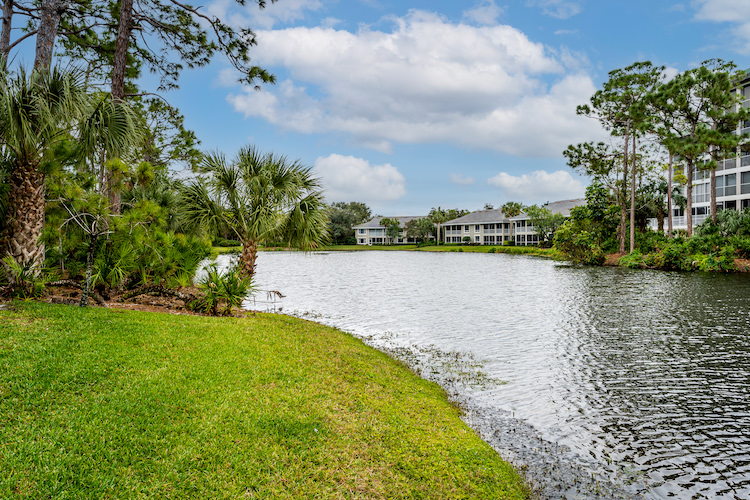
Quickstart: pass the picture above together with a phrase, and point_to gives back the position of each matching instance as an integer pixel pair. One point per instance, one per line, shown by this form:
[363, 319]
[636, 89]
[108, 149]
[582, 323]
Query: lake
[639, 378]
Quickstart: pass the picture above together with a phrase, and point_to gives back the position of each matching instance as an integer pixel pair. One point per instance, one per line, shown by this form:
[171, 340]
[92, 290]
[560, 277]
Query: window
[476, 228]
[745, 183]
[730, 185]
[701, 193]
[726, 185]
[466, 229]
[476, 239]
[363, 231]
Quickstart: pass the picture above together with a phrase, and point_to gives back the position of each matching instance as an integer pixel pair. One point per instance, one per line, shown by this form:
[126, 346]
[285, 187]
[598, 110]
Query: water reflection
[643, 372]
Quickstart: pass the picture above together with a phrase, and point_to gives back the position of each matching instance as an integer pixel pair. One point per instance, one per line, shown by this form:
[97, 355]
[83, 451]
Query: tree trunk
[89, 268]
[247, 258]
[623, 207]
[50, 13]
[5, 33]
[713, 195]
[118, 88]
[669, 196]
[632, 201]
[121, 50]
[26, 199]
[689, 196]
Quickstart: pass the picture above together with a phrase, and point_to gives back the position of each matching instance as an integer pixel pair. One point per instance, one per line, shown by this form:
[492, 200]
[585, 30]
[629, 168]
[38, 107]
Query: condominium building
[372, 233]
[492, 227]
[485, 227]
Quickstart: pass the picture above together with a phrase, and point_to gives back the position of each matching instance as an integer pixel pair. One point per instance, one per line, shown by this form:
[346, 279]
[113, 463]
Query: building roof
[375, 222]
[480, 217]
[494, 216]
[557, 207]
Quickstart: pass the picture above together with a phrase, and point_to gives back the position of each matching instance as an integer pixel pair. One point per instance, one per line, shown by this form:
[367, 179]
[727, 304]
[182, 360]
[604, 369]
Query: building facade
[372, 233]
[492, 227]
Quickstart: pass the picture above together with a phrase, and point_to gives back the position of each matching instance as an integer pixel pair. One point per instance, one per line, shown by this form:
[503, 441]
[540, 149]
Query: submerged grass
[99, 403]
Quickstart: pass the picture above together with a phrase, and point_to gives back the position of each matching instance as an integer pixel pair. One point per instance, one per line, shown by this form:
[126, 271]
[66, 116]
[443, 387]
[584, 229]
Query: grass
[516, 250]
[98, 403]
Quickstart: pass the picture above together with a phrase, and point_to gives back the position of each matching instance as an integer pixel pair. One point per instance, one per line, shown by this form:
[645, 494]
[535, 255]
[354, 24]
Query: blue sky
[412, 104]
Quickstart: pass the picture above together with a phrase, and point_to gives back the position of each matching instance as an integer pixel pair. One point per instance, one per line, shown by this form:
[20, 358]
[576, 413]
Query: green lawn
[99, 403]
[519, 250]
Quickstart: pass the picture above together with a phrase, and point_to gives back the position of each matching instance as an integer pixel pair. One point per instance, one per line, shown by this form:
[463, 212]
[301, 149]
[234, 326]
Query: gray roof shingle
[375, 222]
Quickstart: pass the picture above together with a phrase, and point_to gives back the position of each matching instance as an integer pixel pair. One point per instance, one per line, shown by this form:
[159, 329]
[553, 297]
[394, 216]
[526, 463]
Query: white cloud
[561, 9]
[736, 12]
[427, 81]
[461, 179]
[486, 12]
[347, 178]
[539, 186]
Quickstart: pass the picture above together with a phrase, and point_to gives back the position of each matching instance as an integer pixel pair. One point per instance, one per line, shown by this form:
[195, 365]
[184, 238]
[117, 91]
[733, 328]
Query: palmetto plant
[259, 197]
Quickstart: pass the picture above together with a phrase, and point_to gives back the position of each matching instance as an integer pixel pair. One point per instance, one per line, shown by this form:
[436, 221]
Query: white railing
[679, 221]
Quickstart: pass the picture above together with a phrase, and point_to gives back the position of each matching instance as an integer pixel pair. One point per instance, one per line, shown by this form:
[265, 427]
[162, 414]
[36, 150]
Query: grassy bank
[99, 403]
[545, 252]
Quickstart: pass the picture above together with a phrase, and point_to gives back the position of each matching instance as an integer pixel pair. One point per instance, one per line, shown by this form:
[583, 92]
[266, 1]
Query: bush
[633, 261]
[223, 242]
[741, 245]
[578, 244]
[229, 287]
[20, 282]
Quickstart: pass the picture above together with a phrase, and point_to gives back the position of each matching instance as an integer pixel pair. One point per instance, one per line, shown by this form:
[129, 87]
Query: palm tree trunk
[247, 257]
[26, 199]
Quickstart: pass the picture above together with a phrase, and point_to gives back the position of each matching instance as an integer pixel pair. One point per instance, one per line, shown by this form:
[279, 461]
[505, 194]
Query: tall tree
[621, 107]
[343, 216]
[419, 229]
[260, 197]
[392, 228]
[701, 103]
[723, 116]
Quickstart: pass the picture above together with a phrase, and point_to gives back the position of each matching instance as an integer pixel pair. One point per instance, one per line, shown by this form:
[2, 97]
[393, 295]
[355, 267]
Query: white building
[492, 227]
[372, 233]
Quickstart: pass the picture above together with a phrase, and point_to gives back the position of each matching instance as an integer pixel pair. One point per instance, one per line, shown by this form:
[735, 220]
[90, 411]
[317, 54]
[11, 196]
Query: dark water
[644, 376]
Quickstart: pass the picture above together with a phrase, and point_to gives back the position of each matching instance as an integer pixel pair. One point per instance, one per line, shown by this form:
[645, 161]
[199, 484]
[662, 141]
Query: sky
[411, 104]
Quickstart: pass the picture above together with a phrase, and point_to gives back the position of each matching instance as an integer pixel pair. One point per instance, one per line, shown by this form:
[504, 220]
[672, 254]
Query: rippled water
[645, 373]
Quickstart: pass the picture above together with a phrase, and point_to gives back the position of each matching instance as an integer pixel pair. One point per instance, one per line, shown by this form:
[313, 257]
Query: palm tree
[260, 197]
[36, 111]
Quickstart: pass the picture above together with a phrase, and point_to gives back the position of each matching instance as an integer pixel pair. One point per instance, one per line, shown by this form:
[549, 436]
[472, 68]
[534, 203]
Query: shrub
[654, 260]
[578, 244]
[634, 260]
[229, 287]
[20, 282]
